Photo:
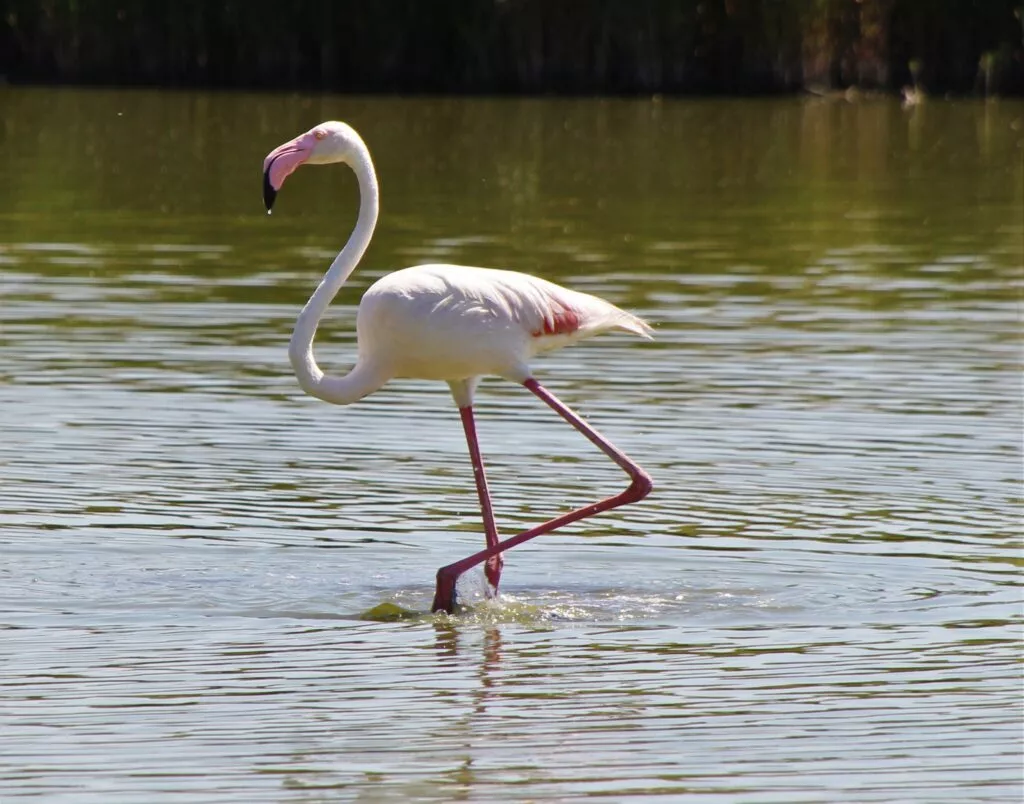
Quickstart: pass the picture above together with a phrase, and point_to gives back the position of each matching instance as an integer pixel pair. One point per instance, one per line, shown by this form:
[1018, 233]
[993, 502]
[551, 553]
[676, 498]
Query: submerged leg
[639, 487]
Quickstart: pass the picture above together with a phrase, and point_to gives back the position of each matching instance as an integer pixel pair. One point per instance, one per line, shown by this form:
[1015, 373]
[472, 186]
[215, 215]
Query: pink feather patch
[563, 321]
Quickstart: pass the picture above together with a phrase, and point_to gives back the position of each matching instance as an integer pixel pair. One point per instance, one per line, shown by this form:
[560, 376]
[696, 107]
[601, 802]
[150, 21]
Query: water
[820, 602]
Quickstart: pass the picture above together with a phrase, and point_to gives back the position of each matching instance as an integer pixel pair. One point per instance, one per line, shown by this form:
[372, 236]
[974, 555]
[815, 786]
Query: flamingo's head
[321, 145]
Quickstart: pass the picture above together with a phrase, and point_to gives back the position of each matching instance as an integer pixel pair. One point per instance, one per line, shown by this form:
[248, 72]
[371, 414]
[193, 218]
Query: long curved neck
[364, 377]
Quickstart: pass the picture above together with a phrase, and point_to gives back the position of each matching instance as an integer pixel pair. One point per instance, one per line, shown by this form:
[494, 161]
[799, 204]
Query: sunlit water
[819, 602]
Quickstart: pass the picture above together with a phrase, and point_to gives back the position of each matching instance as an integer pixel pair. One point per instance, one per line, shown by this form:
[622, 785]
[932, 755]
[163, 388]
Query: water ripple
[821, 601]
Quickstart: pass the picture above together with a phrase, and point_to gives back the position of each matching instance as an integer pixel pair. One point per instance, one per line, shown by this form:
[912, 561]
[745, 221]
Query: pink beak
[281, 162]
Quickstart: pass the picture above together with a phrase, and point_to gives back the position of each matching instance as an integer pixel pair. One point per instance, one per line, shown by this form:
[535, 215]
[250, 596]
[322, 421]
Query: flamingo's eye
[319, 133]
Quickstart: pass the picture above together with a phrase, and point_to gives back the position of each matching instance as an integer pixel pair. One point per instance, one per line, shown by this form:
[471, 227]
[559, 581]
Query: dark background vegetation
[519, 46]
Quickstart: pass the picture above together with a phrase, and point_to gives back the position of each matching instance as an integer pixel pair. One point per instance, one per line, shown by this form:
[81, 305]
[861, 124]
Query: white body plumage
[455, 322]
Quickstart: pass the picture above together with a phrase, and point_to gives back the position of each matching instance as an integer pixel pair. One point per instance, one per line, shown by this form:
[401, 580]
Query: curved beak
[279, 165]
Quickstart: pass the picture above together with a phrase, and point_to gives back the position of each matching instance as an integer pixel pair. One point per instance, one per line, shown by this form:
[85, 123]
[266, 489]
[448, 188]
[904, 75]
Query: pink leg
[640, 487]
[494, 562]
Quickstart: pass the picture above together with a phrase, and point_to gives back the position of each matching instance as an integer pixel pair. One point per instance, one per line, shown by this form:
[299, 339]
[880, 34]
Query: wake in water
[581, 605]
[475, 604]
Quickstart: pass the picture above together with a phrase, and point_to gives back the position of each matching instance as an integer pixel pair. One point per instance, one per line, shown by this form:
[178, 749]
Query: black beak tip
[269, 193]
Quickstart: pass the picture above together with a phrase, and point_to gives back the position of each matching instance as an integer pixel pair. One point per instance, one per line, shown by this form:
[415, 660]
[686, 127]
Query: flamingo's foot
[444, 592]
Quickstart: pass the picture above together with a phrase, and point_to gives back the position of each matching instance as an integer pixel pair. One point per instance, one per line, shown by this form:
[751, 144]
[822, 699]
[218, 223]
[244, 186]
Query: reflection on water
[820, 601]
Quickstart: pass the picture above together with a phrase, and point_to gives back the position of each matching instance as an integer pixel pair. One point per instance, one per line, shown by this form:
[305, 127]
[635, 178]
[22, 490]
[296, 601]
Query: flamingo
[446, 322]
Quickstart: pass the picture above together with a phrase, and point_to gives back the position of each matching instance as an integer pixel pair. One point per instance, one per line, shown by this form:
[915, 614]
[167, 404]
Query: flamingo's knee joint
[640, 487]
